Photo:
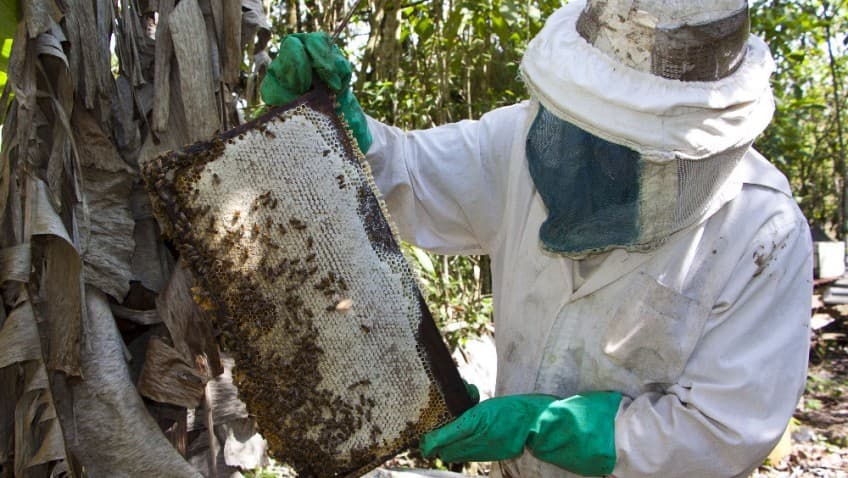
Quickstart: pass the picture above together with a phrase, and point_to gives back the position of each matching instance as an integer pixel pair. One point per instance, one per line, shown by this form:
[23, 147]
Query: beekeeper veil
[644, 109]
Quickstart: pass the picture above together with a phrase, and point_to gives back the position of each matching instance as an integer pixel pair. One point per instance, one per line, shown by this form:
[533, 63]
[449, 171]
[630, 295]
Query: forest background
[81, 82]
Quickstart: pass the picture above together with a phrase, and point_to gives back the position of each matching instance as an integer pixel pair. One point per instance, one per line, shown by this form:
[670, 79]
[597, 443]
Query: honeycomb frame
[279, 220]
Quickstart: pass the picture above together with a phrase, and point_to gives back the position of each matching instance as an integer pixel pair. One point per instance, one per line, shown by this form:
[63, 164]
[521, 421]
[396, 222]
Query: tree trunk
[95, 313]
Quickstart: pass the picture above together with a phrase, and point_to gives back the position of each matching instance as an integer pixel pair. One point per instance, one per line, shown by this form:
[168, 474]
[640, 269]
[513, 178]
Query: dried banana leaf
[336, 352]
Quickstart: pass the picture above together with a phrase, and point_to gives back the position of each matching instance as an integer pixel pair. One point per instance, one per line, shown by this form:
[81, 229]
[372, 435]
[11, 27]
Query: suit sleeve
[445, 187]
[742, 383]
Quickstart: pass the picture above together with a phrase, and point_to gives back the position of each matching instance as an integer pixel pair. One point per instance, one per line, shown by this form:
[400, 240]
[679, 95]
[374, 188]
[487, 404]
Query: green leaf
[512, 12]
[797, 55]
[423, 260]
[425, 28]
[9, 16]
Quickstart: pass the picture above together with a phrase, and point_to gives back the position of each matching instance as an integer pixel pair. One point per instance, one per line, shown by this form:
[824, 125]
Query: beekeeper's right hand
[300, 57]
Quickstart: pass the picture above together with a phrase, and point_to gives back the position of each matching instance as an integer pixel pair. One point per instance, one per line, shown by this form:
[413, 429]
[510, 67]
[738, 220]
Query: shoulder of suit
[765, 197]
[755, 169]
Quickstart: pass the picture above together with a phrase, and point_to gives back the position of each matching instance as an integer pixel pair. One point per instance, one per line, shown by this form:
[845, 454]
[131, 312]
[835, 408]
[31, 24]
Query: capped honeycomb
[336, 352]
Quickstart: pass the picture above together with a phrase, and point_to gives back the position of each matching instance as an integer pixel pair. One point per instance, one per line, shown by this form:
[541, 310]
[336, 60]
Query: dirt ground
[819, 431]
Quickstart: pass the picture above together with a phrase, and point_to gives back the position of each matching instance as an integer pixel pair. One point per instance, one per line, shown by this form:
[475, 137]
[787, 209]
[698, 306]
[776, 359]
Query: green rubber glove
[576, 433]
[291, 74]
[473, 391]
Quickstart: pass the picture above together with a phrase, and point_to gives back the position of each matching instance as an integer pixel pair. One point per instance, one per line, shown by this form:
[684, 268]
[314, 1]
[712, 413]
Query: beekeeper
[651, 271]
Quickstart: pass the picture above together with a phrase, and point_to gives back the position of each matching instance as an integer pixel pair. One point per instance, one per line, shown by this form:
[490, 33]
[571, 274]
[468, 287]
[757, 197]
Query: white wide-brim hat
[669, 79]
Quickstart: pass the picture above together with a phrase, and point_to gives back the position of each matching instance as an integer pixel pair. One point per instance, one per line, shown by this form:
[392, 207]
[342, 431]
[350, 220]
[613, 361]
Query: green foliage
[260, 473]
[9, 16]
[457, 60]
[803, 139]
[832, 387]
[272, 470]
[456, 289]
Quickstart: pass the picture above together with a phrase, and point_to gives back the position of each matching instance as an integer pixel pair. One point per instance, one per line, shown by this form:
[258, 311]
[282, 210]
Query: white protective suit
[706, 336]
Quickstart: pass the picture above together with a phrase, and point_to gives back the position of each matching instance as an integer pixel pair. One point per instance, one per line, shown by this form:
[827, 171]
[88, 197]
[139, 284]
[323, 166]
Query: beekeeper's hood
[645, 108]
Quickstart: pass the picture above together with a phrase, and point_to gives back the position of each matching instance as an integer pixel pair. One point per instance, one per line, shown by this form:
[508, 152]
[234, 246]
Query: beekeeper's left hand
[291, 74]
